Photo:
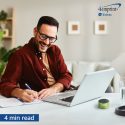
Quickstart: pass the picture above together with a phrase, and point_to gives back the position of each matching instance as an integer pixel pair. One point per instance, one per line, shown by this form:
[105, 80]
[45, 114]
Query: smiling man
[38, 64]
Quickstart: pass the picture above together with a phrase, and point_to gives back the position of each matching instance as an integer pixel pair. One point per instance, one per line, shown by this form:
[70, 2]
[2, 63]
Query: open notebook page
[10, 102]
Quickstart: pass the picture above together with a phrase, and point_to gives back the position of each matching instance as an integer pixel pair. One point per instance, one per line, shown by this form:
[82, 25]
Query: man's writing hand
[25, 95]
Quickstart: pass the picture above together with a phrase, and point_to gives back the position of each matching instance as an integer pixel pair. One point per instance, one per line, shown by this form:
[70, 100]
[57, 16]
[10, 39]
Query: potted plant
[3, 17]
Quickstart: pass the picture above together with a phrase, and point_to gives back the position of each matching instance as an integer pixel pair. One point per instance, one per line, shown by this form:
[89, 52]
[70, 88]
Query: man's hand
[25, 95]
[50, 91]
[46, 92]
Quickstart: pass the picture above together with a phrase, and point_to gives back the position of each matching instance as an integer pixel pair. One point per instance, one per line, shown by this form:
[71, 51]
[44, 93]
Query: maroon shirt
[26, 66]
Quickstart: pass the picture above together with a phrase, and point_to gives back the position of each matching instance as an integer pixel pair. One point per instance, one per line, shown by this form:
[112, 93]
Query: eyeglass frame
[46, 37]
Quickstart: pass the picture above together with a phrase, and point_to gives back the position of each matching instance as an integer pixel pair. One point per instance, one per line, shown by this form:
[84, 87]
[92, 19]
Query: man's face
[45, 36]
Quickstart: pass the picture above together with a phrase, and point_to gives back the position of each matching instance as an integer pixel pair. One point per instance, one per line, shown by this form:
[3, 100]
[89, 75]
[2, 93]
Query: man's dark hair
[47, 20]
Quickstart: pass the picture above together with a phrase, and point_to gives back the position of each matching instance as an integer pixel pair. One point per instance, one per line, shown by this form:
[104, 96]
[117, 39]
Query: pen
[28, 87]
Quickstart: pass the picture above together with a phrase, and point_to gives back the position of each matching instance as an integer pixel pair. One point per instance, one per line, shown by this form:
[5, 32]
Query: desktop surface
[83, 114]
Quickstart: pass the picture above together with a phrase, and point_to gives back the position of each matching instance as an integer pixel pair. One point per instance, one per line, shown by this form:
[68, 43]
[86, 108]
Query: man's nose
[46, 41]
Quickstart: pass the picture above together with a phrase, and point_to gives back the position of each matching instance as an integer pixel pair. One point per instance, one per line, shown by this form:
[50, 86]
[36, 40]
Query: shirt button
[45, 79]
[43, 69]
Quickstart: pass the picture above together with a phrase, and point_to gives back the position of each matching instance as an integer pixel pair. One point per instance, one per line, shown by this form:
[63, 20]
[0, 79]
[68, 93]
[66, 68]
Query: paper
[10, 102]
[2, 97]
[34, 102]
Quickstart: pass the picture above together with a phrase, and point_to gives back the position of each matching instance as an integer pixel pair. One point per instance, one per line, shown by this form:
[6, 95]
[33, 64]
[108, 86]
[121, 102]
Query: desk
[83, 114]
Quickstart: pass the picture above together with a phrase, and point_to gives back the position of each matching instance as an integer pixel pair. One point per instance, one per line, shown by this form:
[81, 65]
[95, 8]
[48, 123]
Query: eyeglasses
[44, 37]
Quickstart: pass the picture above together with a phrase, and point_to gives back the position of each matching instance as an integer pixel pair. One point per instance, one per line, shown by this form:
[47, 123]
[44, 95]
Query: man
[38, 64]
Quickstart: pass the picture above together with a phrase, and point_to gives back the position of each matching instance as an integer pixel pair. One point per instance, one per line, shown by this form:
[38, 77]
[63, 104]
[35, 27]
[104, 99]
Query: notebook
[12, 102]
[92, 86]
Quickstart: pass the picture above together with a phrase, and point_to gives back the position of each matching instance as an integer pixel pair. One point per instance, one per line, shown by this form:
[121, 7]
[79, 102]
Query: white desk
[83, 114]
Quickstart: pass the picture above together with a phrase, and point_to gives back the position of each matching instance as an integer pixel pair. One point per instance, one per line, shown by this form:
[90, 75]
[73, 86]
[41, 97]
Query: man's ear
[35, 31]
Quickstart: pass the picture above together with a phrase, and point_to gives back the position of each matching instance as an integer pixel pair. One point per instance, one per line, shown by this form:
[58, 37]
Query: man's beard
[42, 47]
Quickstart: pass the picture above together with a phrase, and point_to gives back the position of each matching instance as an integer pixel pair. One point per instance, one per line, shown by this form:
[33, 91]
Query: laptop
[92, 86]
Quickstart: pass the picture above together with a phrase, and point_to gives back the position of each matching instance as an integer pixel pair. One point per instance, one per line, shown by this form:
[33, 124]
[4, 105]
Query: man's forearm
[58, 87]
[16, 92]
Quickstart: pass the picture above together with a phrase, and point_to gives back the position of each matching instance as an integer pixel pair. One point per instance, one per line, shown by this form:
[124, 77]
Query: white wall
[85, 46]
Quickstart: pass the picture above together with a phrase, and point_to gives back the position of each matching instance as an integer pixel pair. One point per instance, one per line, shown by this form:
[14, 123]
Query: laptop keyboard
[68, 99]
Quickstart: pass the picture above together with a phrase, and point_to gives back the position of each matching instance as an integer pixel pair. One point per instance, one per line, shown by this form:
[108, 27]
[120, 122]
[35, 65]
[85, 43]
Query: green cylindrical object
[103, 103]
